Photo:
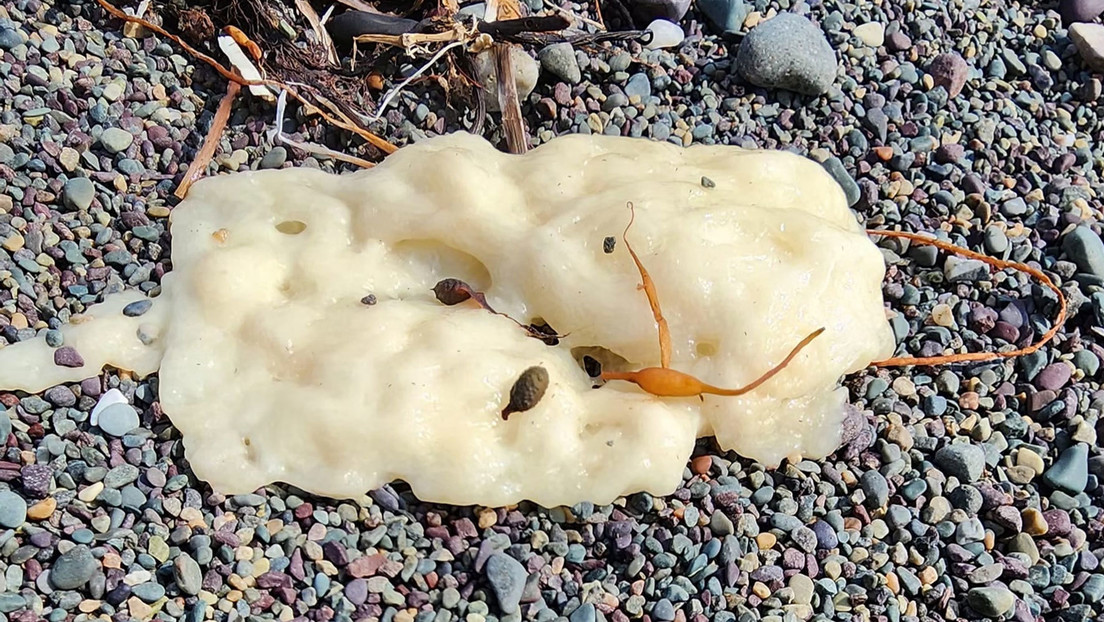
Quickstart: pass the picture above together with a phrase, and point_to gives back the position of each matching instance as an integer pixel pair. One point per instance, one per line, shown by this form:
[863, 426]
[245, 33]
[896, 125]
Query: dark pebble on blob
[137, 308]
[67, 356]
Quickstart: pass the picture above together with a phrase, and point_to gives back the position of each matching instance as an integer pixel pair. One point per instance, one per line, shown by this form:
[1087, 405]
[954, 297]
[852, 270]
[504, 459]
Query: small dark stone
[949, 71]
[368, 300]
[137, 308]
[609, 244]
[67, 356]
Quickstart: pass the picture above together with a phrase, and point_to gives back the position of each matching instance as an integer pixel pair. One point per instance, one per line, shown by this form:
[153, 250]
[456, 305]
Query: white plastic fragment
[108, 399]
[245, 67]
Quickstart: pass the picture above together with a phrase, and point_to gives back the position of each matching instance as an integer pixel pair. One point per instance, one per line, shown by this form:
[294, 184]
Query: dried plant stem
[210, 144]
[516, 138]
[996, 263]
[371, 138]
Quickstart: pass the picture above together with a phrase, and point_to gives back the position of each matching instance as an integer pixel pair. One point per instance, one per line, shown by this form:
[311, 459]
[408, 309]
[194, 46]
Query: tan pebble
[1019, 474]
[942, 315]
[928, 575]
[851, 523]
[760, 590]
[487, 518]
[884, 153]
[261, 566]
[1026, 457]
[19, 321]
[1033, 522]
[904, 387]
[138, 609]
[404, 616]
[910, 609]
[234, 596]
[990, 540]
[43, 509]
[88, 605]
[893, 584]
[766, 540]
[111, 560]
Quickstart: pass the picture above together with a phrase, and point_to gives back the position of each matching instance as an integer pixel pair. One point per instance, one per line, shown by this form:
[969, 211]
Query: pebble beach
[960, 491]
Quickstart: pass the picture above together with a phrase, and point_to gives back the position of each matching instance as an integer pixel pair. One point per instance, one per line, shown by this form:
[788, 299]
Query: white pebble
[112, 397]
[871, 33]
[665, 34]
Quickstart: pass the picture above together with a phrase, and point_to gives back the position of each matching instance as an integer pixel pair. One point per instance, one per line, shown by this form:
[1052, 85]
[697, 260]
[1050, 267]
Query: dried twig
[320, 32]
[372, 138]
[512, 123]
[210, 144]
[1000, 264]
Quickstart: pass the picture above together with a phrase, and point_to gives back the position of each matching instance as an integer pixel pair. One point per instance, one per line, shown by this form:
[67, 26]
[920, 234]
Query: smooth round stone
[79, 193]
[73, 569]
[664, 34]
[13, 509]
[118, 419]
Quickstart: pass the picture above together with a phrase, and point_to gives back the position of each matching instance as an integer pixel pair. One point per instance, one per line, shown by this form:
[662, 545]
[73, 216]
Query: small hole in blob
[291, 227]
[706, 348]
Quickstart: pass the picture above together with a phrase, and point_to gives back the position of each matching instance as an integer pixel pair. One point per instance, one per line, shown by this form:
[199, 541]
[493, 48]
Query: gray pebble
[991, 601]
[1085, 249]
[725, 15]
[116, 140]
[73, 569]
[507, 578]
[79, 193]
[559, 60]
[1071, 471]
[13, 509]
[964, 461]
[188, 576]
[118, 419]
[787, 52]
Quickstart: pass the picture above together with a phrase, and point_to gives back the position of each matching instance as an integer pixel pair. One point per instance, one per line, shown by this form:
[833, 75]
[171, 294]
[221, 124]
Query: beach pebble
[963, 460]
[1089, 39]
[787, 52]
[725, 15]
[991, 601]
[13, 509]
[1085, 248]
[664, 34]
[871, 33]
[116, 140]
[79, 193]
[67, 356]
[559, 60]
[187, 574]
[949, 70]
[118, 419]
[1071, 471]
[526, 72]
[73, 569]
[507, 578]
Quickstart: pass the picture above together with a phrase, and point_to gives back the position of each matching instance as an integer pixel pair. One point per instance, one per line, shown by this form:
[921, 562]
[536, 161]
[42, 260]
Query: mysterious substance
[274, 370]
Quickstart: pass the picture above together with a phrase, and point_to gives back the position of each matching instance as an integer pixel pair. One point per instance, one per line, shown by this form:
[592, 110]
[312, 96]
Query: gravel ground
[963, 492]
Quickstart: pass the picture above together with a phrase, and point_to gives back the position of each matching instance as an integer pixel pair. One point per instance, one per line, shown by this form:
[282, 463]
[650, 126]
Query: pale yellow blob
[273, 369]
